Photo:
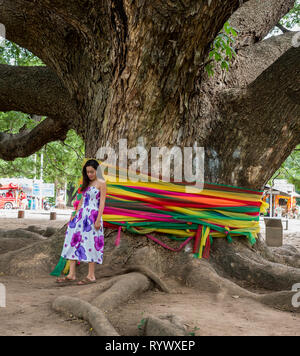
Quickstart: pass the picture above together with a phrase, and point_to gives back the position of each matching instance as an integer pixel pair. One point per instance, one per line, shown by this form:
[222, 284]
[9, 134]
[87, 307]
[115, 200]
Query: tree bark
[35, 90]
[133, 70]
[256, 18]
[262, 117]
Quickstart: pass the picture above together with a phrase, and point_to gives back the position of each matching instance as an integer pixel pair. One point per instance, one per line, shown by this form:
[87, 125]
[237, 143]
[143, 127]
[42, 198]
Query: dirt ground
[28, 306]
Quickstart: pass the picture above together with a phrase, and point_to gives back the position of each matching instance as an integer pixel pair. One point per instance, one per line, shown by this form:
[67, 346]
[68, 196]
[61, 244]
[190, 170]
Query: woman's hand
[98, 223]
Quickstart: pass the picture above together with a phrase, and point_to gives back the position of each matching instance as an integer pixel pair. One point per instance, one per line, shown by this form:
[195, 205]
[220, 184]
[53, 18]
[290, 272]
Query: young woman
[84, 239]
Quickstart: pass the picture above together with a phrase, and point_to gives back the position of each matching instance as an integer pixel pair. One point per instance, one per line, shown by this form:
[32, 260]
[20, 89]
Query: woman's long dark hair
[86, 181]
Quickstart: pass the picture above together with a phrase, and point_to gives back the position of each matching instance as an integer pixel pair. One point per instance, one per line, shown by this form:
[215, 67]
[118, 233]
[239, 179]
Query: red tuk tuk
[9, 196]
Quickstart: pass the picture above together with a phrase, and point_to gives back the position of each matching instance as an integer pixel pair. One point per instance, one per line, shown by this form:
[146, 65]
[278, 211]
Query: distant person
[9, 194]
[23, 200]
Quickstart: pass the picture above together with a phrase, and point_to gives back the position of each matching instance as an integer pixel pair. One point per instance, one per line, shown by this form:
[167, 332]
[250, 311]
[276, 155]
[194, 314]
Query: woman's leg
[72, 272]
[91, 274]
[71, 275]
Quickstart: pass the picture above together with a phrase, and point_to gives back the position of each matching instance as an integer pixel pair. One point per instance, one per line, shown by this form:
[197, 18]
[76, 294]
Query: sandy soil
[14, 223]
[28, 306]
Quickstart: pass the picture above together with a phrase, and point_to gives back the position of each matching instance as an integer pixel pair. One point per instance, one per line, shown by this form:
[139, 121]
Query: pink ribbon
[166, 246]
[117, 242]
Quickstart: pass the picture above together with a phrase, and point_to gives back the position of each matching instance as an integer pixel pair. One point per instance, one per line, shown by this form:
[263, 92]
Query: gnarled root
[116, 291]
[86, 311]
[287, 254]
[241, 262]
[201, 275]
[122, 290]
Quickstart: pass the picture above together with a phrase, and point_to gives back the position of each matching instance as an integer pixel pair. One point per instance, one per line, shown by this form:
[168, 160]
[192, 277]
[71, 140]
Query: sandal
[64, 280]
[85, 281]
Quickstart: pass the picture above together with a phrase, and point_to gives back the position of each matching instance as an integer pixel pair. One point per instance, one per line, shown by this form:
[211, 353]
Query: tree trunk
[71, 194]
[135, 71]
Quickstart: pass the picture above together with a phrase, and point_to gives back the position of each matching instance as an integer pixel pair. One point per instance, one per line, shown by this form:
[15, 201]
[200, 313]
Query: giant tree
[125, 69]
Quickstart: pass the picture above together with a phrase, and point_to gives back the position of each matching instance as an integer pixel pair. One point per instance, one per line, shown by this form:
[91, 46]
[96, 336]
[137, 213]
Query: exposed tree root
[122, 290]
[21, 233]
[231, 270]
[241, 262]
[201, 275]
[27, 262]
[287, 255]
[279, 300]
[114, 292]
[86, 311]
[164, 326]
[144, 270]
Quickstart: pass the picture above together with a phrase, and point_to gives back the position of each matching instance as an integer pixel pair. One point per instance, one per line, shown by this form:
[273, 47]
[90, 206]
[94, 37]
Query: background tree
[290, 169]
[61, 159]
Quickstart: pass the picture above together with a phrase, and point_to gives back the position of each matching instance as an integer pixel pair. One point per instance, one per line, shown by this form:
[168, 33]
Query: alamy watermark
[187, 163]
[296, 296]
[2, 296]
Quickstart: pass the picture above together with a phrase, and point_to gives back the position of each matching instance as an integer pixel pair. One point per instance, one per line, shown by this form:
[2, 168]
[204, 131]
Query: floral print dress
[82, 241]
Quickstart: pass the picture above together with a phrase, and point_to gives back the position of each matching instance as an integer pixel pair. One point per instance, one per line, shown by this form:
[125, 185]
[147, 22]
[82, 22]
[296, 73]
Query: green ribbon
[59, 267]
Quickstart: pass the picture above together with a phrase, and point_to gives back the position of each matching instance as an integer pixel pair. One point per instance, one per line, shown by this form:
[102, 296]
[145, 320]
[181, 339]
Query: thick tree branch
[68, 50]
[36, 28]
[273, 94]
[85, 16]
[281, 81]
[253, 60]
[34, 90]
[28, 142]
[256, 18]
[73, 12]
[270, 108]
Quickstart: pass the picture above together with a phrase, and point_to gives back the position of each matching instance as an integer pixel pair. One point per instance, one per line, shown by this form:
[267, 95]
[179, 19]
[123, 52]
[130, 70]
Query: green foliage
[13, 54]
[194, 331]
[141, 324]
[293, 17]
[61, 160]
[12, 121]
[222, 51]
[290, 169]
[289, 21]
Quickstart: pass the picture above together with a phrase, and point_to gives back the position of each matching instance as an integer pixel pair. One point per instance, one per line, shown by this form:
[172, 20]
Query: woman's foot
[66, 279]
[87, 280]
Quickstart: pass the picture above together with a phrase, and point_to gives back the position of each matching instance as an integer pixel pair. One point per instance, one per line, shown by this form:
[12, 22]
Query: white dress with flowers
[82, 241]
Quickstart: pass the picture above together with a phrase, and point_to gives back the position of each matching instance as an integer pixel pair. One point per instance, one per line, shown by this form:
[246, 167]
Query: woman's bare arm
[78, 207]
[102, 199]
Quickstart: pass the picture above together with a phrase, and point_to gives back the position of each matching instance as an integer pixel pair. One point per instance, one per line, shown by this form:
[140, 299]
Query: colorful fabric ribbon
[145, 207]
[148, 206]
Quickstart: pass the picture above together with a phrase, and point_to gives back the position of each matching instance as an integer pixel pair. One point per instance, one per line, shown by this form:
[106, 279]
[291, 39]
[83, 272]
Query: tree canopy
[71, 66]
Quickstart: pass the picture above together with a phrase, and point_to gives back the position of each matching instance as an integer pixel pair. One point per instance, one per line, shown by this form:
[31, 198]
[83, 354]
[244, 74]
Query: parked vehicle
[9, 196]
